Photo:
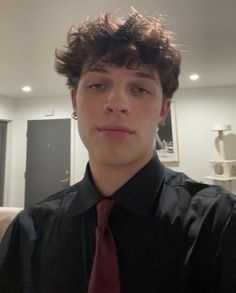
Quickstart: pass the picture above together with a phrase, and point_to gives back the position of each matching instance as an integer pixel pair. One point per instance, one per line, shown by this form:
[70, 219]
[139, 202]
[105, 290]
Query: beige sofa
[7, 214]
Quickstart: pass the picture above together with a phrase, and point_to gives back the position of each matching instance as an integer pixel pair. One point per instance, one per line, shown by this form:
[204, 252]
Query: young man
[165, 232]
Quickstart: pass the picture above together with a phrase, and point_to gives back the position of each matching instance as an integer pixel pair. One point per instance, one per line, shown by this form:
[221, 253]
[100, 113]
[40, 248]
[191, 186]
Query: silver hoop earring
[162, 123]
[74, 116]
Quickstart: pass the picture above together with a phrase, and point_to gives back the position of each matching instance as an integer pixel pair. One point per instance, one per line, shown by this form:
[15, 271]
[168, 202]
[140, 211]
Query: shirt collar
[136, 195]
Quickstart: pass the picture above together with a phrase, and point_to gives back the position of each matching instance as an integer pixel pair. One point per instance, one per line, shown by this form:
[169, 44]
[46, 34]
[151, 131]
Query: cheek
[151, 119]
[87, 117]
[152, 124]
[84, 109]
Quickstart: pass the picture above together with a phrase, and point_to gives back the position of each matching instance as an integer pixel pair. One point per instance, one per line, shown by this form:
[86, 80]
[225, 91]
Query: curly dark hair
[139, 39]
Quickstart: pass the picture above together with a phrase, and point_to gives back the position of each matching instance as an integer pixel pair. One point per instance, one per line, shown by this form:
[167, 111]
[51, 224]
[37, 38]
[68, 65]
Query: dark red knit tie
[105, 272]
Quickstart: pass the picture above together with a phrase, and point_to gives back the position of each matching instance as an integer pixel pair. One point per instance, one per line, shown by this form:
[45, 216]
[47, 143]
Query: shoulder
[178, 181]
[44, 212]
[53, 206]
[197, 200]
[30, 225]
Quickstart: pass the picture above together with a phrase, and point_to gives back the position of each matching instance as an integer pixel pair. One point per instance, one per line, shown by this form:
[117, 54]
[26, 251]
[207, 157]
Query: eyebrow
[98, 69]
[142, 74]
[139, 74]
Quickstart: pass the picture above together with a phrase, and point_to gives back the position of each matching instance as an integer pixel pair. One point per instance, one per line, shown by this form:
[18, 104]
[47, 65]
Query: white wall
[7, 108]
[197, 110]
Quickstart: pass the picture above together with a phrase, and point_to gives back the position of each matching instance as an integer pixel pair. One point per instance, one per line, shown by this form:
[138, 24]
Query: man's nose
[117, 102]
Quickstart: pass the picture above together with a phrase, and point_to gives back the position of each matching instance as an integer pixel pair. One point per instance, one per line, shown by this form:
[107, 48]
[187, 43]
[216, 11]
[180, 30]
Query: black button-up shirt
[172, 235]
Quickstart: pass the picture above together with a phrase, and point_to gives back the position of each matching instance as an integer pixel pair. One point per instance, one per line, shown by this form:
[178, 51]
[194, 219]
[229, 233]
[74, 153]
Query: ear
[165, 108]
[73, 99]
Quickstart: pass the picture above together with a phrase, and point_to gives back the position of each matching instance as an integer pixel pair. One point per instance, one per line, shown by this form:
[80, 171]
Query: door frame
[3, 165]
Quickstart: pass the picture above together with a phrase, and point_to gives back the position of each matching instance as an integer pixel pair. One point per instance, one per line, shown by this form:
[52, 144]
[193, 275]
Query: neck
[109, 178]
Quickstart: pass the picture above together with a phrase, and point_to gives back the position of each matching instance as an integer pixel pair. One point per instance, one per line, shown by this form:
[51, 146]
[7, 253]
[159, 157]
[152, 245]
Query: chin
[114, 160]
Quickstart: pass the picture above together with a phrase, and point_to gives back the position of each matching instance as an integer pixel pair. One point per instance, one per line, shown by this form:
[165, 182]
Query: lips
[115, 130]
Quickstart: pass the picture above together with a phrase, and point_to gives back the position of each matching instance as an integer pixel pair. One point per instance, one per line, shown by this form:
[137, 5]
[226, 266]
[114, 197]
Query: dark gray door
[3, 134]
[48, 158]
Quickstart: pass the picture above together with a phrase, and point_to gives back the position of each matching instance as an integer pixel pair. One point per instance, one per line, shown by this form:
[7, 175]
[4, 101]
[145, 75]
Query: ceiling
[30, 31]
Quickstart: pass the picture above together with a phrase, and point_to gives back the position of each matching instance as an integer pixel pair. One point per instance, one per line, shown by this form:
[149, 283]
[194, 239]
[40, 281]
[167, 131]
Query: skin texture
[118, 112]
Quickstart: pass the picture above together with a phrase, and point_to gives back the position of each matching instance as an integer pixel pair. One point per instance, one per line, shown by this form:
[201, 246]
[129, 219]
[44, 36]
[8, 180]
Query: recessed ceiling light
[194, 76]
[26, 88]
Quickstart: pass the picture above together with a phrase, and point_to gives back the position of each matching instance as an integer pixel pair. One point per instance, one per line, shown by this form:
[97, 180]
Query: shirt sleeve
[16, 250]
[227, 256]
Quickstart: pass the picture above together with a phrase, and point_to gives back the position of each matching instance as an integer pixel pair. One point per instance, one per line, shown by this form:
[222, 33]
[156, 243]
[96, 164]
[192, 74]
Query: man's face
[118, 112]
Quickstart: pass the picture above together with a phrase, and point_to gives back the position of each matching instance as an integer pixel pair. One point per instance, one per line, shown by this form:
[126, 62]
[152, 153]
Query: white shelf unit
[222, 170]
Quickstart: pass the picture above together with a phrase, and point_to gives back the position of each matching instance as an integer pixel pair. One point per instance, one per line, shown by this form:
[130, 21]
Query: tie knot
[103, 210]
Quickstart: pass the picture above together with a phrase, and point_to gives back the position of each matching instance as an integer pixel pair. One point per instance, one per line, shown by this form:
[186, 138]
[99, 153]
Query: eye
[138, 90]
[96, 86]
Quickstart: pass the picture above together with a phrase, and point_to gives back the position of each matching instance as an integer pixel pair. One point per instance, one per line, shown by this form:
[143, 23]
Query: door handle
[64, 180]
